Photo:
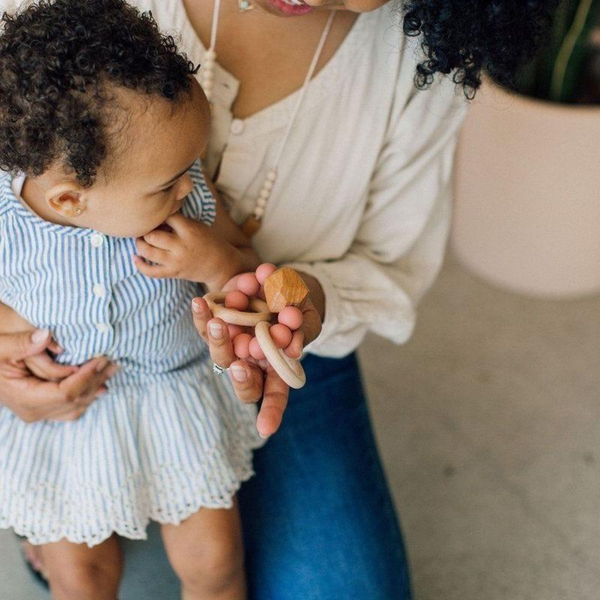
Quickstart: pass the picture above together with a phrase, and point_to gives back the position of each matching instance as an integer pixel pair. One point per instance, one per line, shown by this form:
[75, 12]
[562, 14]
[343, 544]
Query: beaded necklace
[207, 75]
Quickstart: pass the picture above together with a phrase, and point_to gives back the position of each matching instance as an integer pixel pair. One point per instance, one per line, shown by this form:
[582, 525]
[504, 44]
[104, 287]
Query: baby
[107, 227]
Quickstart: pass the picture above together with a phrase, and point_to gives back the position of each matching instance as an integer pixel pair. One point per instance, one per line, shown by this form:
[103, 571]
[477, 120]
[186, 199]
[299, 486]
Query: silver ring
[218, 370]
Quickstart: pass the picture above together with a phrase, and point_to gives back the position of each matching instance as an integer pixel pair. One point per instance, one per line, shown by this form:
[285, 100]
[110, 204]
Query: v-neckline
[278, 112]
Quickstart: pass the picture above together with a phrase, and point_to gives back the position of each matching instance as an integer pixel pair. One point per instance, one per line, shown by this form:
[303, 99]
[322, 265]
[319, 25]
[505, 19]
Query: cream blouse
[363, 197]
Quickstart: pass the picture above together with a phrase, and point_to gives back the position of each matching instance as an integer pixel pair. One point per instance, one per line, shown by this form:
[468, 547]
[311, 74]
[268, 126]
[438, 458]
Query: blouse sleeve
[399, 248]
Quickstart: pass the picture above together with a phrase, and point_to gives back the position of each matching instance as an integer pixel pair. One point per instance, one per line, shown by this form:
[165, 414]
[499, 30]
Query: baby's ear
[67, 199]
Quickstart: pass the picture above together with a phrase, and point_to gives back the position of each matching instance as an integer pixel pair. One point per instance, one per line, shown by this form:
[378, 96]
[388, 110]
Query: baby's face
[148, 181]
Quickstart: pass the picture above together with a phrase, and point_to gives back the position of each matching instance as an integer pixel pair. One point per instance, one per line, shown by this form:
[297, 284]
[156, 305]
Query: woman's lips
[291, 7]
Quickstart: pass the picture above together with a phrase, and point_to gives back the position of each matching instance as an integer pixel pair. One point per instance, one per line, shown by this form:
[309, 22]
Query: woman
[360, 207]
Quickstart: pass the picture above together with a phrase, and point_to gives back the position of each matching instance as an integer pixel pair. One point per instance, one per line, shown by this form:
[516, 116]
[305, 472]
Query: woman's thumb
[17, 346]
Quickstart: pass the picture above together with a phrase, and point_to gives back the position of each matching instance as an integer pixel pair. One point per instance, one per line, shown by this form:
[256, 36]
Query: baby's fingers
[160, 239]
[156, 271]
[155, 255]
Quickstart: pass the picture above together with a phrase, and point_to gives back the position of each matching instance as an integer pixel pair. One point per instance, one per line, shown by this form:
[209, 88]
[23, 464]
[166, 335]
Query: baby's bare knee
[212, 570]
[84, 579]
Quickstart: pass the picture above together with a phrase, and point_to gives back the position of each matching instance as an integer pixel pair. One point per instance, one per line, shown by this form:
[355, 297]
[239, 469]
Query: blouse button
[103, 327]
[97, 240]
[237, 127]
[99, 290]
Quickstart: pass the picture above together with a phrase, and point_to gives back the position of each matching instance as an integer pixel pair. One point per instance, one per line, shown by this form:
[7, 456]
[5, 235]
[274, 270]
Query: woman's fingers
[88, 379]
[44, 367]
[275, 398]
[219, 343]
[202, 315]
[247, 380]
[311, 322]
[17, 346]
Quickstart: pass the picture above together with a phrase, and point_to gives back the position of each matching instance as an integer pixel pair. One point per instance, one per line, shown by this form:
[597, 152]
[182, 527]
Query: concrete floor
[489, 426]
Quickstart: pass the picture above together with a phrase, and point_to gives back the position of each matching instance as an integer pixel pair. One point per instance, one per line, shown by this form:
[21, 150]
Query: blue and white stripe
[168, 437]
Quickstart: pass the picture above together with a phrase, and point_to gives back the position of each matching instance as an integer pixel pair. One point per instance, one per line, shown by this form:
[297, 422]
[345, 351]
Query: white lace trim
[45, 514]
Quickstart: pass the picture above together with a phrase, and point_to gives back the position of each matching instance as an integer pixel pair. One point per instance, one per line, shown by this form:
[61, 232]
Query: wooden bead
[250, 226]
[284, 288]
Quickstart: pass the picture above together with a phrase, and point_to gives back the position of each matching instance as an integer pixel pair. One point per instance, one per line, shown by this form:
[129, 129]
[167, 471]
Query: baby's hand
[190, 250]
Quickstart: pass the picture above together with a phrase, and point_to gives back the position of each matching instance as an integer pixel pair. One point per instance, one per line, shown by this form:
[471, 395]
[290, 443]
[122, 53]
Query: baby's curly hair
[57, 59]
[470, 37]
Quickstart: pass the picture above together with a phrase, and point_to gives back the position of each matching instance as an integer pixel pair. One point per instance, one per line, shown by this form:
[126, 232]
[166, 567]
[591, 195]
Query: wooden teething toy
[283, 288]
[260, 310]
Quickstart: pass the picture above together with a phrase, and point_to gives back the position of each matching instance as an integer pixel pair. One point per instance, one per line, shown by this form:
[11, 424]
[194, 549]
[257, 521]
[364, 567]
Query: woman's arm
[400, 244]
[11, 321]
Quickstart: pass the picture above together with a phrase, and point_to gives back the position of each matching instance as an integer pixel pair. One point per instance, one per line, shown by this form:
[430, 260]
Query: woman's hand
[254, 378]
[34, 399]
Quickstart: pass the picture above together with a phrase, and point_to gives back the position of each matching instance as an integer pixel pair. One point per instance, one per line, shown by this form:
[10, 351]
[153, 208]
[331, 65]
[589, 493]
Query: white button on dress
[97, 240]
[99, 290]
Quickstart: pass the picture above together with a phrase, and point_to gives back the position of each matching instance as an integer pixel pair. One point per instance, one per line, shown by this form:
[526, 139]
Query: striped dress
[168, 438]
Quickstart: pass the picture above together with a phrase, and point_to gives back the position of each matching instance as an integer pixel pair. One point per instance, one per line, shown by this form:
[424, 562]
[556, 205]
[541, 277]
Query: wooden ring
[289, 369]
[232, 316]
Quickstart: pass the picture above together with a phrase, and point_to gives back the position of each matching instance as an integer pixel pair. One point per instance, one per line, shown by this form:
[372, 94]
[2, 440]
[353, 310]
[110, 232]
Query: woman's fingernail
[196, 307]
[264, 437]
[239, 373]
[114, 369]
[101, 365]
[216, 330]
[40, 335]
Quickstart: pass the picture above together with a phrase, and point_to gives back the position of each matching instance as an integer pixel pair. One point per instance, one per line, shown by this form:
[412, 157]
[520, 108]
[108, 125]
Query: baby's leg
[77, 571]
[207, 553]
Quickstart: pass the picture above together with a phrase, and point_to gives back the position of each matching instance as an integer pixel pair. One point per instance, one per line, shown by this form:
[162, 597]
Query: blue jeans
[319, 522]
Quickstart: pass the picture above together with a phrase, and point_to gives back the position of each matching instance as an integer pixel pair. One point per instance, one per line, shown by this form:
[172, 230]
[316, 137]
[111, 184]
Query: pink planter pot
[527, 214]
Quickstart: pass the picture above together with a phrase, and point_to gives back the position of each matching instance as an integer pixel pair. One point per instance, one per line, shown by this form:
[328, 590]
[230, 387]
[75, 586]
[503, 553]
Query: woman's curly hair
[470, 37]
[57, 59]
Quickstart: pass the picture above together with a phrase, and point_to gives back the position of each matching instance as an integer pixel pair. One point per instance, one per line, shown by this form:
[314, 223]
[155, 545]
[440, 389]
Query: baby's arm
[197, 252]
[243, 257]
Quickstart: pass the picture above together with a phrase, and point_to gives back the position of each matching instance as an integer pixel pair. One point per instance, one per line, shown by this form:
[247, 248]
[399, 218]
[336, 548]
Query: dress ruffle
[158, 450]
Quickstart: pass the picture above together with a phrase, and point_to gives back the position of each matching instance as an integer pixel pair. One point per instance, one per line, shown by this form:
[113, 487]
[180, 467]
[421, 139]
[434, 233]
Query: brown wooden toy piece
[285, 287]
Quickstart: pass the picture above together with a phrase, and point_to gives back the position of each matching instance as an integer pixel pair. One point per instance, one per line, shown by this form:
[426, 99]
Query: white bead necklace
[207, 78]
